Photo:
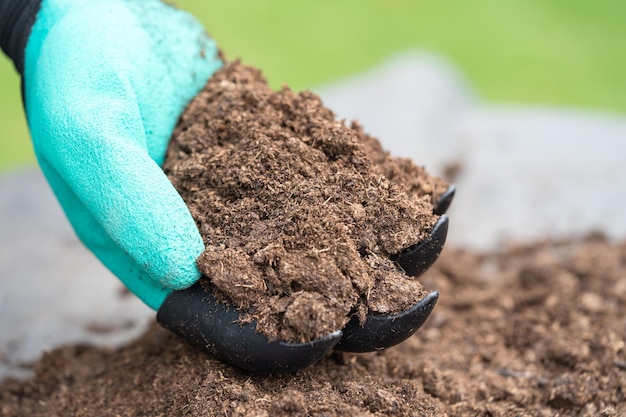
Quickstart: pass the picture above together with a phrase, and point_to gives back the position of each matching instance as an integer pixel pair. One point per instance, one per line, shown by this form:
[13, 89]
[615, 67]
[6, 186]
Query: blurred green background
[557, 52]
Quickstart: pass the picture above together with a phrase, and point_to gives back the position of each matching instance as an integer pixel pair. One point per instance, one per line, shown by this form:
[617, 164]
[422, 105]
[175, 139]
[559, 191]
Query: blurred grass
[565, 52]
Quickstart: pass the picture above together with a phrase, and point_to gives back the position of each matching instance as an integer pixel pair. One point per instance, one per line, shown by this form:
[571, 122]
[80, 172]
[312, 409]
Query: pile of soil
[299, 212]
[534, 330]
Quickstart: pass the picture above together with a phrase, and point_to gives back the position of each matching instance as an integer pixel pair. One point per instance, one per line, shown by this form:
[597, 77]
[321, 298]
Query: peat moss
[299, 212]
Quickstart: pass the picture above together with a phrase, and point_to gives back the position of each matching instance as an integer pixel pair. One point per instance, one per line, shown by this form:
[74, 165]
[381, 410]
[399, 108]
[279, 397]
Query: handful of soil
[299, 213]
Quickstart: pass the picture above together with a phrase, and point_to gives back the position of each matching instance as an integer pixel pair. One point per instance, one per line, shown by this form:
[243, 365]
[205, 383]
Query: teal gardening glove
[104, 82]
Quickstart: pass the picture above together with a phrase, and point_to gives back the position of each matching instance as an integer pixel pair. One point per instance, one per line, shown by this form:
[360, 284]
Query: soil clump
[534, 330]
[299, 212]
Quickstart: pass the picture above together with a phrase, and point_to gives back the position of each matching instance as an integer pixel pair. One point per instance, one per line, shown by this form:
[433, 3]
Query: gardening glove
[104, 83]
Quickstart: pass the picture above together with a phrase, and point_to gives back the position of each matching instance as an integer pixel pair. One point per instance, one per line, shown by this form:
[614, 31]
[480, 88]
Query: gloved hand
[104, 83]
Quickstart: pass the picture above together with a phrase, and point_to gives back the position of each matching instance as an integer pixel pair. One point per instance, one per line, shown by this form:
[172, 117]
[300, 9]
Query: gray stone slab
[52, 290]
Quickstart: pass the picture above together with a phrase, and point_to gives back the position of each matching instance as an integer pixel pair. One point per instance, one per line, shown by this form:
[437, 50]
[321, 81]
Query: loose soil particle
[535, 330]
[299, 212]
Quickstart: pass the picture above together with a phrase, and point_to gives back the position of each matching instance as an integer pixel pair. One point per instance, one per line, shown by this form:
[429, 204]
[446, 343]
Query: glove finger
[130, 197]
[100, 243]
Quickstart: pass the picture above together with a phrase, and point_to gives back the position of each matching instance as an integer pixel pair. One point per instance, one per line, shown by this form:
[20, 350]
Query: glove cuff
[16, 21]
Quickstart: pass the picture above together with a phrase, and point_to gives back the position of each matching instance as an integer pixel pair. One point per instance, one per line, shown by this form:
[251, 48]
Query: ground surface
[535, 330]
[559, 173]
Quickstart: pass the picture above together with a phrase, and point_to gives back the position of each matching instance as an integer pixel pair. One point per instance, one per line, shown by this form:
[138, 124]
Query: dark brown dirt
[299, 212]
[535, 330]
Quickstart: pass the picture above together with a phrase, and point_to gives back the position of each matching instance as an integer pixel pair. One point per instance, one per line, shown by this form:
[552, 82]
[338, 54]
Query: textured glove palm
[104, 84]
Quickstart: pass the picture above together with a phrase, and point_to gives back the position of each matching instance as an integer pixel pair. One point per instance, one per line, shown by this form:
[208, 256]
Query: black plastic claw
[380, 332]
[444, 201]
[418, 258]
[196, 315]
